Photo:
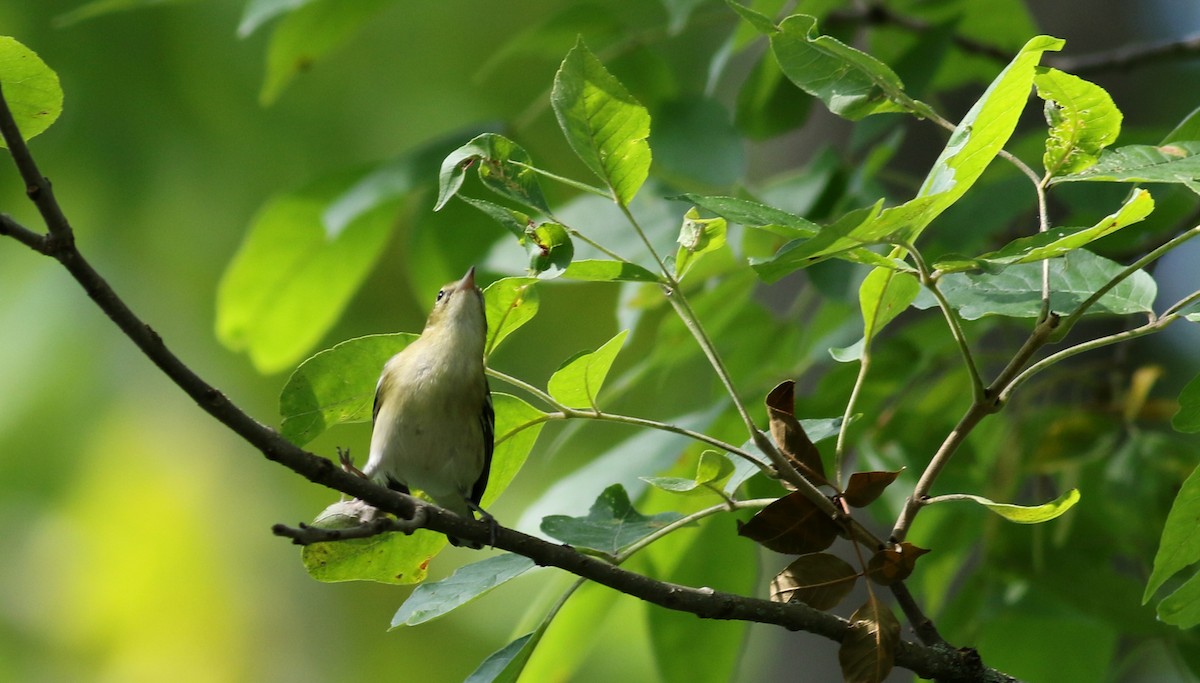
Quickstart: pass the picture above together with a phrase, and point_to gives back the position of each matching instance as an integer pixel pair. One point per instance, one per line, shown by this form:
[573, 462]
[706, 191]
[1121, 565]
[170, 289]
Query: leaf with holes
[1082, 117]
[1176, 162]
[503, 166]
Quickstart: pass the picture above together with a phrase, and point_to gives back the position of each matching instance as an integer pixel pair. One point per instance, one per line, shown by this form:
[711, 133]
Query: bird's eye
[441, 294]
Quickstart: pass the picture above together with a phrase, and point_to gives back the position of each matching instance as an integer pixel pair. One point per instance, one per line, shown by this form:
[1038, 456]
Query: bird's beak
[468, 281]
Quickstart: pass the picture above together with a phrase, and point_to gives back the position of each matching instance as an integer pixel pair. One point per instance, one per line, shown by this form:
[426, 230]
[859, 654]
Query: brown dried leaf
[864, 487]
[792, 525]
[819, 580]
[789, 435]
[869, 647]
[894, 564]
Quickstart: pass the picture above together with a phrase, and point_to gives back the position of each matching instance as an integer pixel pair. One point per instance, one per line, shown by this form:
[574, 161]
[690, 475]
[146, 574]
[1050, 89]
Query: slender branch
[1129, 56]
[839, 449]
[930, 281]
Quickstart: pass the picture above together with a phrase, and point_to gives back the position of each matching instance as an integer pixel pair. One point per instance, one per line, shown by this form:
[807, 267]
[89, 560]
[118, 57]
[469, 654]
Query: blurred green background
[136, 542]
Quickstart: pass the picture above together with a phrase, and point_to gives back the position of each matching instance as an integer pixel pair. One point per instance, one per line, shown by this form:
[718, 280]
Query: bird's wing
[487, 421]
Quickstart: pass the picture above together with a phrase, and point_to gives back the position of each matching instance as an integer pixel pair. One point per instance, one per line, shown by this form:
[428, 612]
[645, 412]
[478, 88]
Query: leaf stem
[930, 282]
[570, 182]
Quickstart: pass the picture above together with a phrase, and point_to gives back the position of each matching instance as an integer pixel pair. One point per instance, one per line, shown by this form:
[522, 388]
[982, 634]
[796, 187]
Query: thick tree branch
[940, 663]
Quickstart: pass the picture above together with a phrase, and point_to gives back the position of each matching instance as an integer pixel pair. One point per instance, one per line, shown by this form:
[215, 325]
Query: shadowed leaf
[889, 565]
[611, 524]
[792, 525]
[503, 167]
[819, 580]
[864, 487]
[869, 648]
[431, 600]
[789, 435]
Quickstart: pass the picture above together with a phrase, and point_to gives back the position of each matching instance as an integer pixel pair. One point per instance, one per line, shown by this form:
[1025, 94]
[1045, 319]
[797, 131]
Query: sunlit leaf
[883, 295]
[819, 580]
[1026, 514]
[792, 525]
[1182, 607]
[789, 436]
[753, 214]
[1056, 241]
[509, 303]
[712, 472]
[610, 525]
[336, 386]
[890, 565]
[1176, 162]
[976, 140]
[503, 166]
[577, 382]
[290, 279]
[603, 123]
[433, 599]
[595, 270]
[1179, 546]
[1082, 117]
[697, 236]
[310, 33]
[550, 249]
[1017, 290]
[864, 487]
[30, 87]
[868, 649]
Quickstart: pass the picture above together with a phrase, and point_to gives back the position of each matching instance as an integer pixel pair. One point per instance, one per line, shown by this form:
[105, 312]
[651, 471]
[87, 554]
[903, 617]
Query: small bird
[433, 424]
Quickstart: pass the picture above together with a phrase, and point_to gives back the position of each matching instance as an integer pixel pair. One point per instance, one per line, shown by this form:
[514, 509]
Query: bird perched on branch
[433, 421]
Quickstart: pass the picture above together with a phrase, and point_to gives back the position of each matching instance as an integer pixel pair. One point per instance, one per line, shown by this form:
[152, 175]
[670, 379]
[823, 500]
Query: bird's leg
[485, 516]
[347, 462]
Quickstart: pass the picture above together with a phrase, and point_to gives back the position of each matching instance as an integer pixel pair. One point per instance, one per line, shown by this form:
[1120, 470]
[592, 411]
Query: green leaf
[883, 295]
[291, 278]
[752, 214]
[697, 236]
[712, 472]
[577, 382]
[603, 123]
[853, 84]
[309, 33]
[433, 599]
[1082, 117]
[976, 140]
[1182, 607]
[1187, 419]
[505, 665]
[1027, 514]
[503, 166]
[1056, 241]
[550, 249]
[611, 524]
[508, 303]
[388, 558]
[1179, 546]
[30, 87]
[593, 270]
[1177, 162]
[98, 8]
[1017, 291]
[336, 386]
[511, 219]
[404, 559]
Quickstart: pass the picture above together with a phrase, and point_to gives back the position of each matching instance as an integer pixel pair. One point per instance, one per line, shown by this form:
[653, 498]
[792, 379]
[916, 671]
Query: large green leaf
[1056, 241]
[1177, 162]
[30, 87]
[1187, 420]
[851, 83]
[603, 123]
[976, 140]
[336, 386]
[431, 600]
[1083, 120]
[883, 295]
[611, 524]
[1179, 547]
[404, 559]
[309, 33]
[509, 303]
[577, 382]
[291, 277]
[1017, 290]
